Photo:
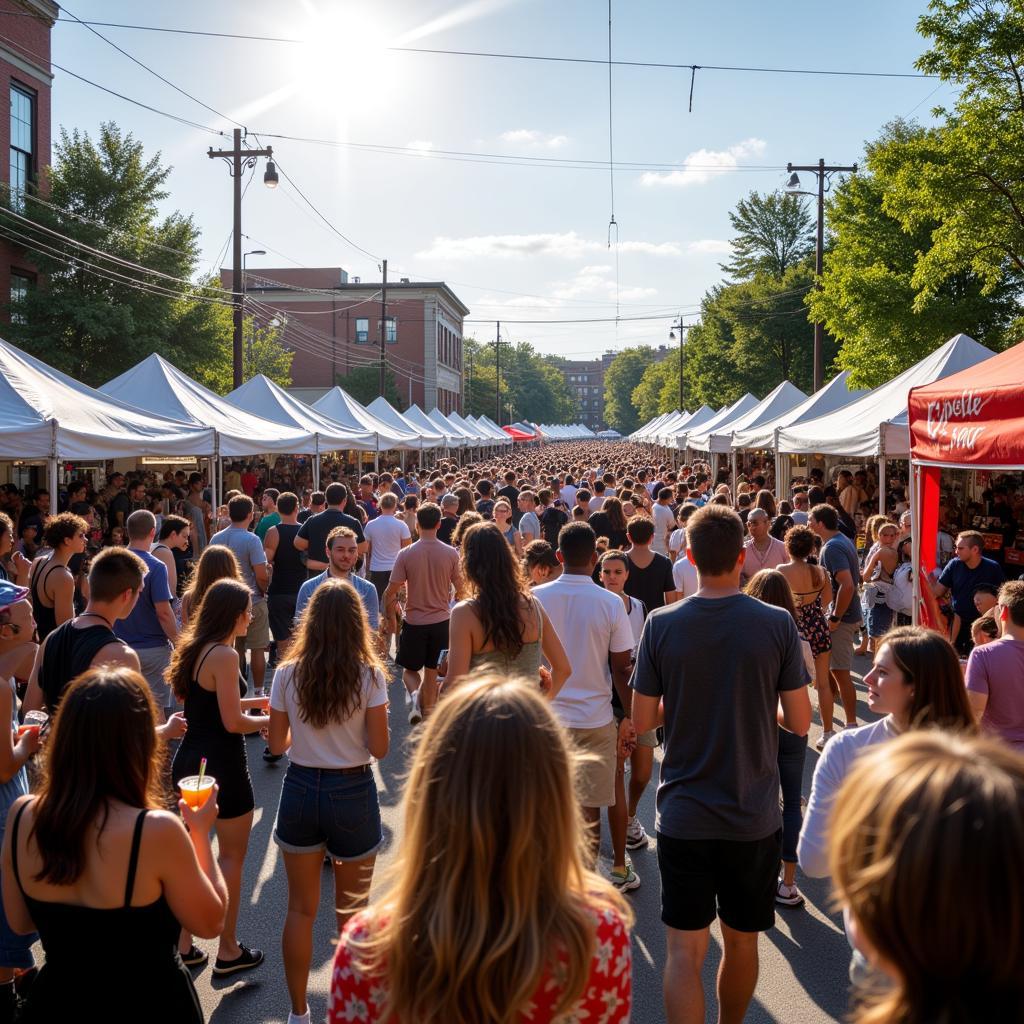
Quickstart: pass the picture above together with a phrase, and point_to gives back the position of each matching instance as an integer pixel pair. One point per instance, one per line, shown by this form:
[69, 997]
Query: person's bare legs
[352, 880]
[428, 691]
[303, 870]
[617, 816]
[592, 820]
[232, 844]
[847, 693]
[737, 974]
[411, 679]
[682, 986]
[823, 685]
[641, 764]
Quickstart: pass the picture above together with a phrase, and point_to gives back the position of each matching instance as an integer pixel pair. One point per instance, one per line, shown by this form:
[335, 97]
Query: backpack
[901, 594]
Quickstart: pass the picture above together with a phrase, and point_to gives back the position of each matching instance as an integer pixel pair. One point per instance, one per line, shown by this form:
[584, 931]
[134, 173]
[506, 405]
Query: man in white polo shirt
[386, 536]
[594, 629]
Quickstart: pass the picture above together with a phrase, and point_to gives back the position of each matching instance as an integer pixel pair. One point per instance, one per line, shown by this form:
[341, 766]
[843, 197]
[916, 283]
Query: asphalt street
[803, 959]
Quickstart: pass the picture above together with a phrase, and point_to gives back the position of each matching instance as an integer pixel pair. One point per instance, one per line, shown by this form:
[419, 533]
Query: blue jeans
[324, 809]
[792, 751]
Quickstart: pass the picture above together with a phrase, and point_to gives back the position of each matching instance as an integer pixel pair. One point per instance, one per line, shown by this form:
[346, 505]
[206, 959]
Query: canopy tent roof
[773, 405]
[648, 429]
[452, 438]
[480, 436]
[518, 435]
[158, 385]
[262, 396]
[525, 428]
[499, 434]
[439, 419]
[609, 435]
[662, 430]
[876, 425]
[666, 434]
[834, 395]
[46, 414]
[685, 437]
[343, 408]
[387, 413]
[973, 418]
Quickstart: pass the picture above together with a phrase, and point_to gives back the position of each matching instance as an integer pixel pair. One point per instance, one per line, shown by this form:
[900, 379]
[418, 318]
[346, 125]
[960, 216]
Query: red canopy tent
[519, 435]
[971, 420]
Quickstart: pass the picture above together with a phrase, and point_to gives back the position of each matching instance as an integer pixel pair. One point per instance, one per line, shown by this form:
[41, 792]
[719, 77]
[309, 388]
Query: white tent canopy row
[718, 439]
[565, 432]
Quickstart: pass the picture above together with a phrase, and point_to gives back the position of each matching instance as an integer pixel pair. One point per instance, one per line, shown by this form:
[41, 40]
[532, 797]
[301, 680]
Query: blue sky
[515, 242]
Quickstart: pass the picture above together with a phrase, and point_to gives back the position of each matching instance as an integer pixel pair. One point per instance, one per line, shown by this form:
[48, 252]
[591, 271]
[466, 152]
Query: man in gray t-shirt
[722, 672]
[252, 560]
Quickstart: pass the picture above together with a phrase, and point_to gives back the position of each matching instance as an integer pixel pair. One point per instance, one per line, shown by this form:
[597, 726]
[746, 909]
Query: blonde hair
[914, 819]
[872, 526]
[489, 889]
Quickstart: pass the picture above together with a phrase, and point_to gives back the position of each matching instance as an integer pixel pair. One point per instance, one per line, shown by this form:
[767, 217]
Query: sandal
[195, 957]
[248, 959]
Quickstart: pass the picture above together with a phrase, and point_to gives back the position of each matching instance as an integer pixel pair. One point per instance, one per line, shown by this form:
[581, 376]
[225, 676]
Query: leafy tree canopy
[774, 232]
[620, 380]
[363, 384]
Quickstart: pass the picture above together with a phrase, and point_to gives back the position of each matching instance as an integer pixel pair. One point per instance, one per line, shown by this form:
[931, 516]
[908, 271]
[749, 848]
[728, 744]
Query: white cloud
[597, 282]
[700, 166]
[710, 245]
[565, 245]
[532, 137]
[422, 144]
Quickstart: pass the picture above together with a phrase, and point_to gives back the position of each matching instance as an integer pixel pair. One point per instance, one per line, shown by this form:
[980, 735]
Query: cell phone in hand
[442, 659]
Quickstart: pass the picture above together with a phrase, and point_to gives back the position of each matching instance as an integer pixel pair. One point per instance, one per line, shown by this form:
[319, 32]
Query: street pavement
[803, 959]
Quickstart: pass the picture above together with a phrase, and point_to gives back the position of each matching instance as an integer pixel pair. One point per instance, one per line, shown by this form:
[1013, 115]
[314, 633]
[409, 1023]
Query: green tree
[774, 232]
[869, 299]
[90, 315]
[363, 384]
[646, 396]
[263, 351]
[621, 379]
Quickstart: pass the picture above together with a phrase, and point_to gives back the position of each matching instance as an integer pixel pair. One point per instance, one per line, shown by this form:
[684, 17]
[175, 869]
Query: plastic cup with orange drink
[34, 723]
[196, 790]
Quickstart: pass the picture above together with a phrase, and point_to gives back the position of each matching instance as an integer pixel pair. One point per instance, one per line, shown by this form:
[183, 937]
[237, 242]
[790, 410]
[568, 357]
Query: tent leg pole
[915, 542]
[735, 471]
[316, 472]
[53, 483]
[881, 485]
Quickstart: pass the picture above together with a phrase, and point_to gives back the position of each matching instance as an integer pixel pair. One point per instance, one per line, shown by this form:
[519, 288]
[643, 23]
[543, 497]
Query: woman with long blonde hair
[215, 563]
[490, 913]
[329, 709]
[914, 820]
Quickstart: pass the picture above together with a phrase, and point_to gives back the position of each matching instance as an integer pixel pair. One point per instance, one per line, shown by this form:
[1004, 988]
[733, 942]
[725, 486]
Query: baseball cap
[11, 593]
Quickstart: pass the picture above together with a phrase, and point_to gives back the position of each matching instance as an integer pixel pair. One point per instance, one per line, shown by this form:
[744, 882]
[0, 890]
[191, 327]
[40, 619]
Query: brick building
[25, 71]
[333, 324]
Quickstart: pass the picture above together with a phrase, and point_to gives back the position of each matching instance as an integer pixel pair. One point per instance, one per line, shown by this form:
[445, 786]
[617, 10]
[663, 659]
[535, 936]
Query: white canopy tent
[720, 419]
[341, 407]
[387, 413]
[470, 428]
[490, 432]
[499, 434]
[452, 438]
[666, 434]
[446, 425]
[718, 440]
[875, 426]
[158, 385]
[649, 428]
[45, 414]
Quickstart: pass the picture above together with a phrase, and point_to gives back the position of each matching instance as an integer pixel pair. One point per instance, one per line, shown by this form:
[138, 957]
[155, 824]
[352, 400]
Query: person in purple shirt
[995, 671]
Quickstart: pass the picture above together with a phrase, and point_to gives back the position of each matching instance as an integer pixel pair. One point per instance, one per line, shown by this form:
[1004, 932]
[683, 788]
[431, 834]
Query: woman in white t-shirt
[329, 710]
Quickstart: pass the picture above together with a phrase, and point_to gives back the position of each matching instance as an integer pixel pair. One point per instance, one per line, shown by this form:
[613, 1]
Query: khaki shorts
[258, 637]
[843, 636]
[643, 739]
[595, 783]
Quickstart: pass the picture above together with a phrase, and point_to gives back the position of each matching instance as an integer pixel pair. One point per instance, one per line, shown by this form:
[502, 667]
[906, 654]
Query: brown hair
[497, 586]
[113, 571]
[770, 587]
[767, 502]
[973, 537]
[466, 520]
[640, 530]
[612, 508]
[217, 562]
[799, 541]
[467, 933]
[209, 623]
[986, 624]
[915, 817]
[332, 648]
[714, 535]
[1011, 597]
[63, 527]
[103, 749]
[339, 531]
[240, 508]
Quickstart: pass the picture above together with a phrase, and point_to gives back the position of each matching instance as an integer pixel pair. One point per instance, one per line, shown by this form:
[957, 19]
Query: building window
[390, 330]
[362, 330]
[22, 148]
[21, 282]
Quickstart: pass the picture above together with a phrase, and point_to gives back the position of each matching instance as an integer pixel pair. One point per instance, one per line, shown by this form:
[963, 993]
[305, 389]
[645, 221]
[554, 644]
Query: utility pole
[237, 159]
[822, 171]
[497, 372]
[383, 327]
[672, 334]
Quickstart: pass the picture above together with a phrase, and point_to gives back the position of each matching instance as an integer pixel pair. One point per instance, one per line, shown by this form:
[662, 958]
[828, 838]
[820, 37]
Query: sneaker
[415, 715]
[823, 739]
[271, 758]
[788, 895]
[625, 881]
[195, 957]
[246, 961]
[636, 837]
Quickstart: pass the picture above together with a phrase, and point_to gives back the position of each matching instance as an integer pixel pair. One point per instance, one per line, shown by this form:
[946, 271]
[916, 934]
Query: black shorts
[281, 612]
[380, 581]
[420, 646]
[735, 879]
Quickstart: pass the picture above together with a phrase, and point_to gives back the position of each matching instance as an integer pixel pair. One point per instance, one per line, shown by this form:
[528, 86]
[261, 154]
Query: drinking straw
[202, 772]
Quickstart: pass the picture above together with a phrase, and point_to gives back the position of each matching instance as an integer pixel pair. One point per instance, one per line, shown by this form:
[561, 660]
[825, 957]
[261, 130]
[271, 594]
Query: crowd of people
[553, 622]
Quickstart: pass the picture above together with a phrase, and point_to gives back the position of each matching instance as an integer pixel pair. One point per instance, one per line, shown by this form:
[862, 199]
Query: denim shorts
[321, 808]
[15, 949]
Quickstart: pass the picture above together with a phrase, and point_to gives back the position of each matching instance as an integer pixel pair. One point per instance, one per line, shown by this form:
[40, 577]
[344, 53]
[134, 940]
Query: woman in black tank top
[50, 579]
[128, 886]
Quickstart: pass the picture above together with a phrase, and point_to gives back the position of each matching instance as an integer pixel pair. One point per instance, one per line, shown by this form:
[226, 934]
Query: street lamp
[681, 327]
[824, 183]
[238, 159]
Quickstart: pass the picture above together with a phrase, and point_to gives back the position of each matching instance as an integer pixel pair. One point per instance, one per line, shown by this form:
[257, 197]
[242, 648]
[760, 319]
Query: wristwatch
[833, 619]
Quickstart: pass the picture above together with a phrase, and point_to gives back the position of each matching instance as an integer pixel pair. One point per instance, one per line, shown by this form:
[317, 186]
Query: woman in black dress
[204, 673]
[95, 866]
